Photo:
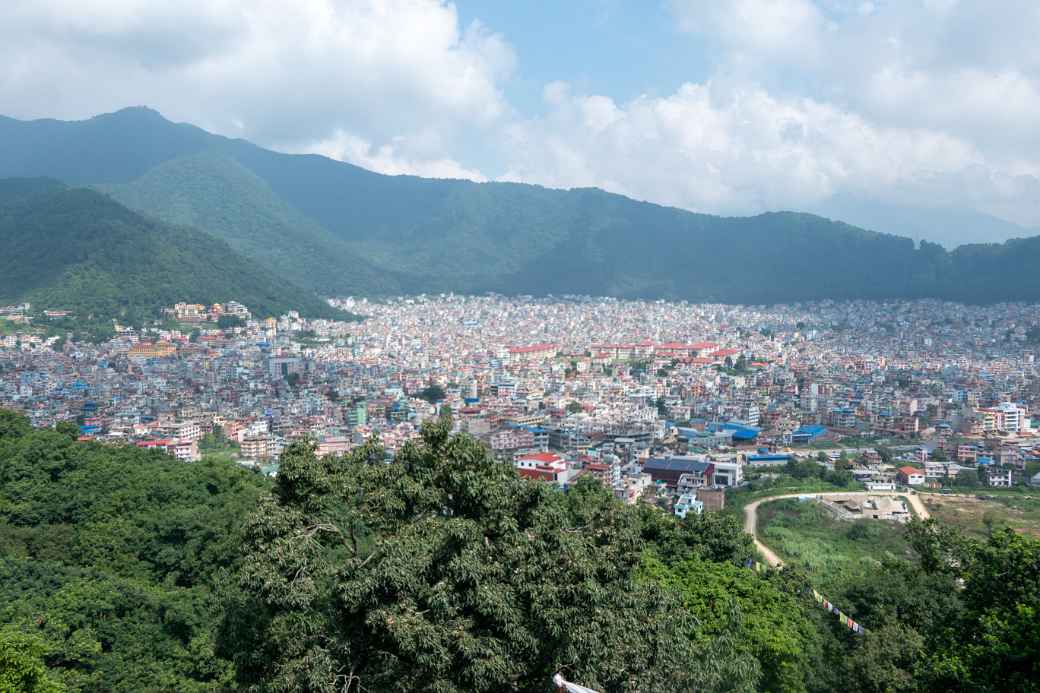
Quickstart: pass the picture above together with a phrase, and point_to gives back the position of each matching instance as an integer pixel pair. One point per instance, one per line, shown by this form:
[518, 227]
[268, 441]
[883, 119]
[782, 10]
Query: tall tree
[445, 571]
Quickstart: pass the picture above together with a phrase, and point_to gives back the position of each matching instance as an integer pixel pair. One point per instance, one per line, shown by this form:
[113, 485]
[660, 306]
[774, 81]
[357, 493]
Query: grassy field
[976, 516]
[832, 551]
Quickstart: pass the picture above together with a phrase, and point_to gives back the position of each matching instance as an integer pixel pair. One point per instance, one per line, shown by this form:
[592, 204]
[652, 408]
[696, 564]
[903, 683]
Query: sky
[724, 107]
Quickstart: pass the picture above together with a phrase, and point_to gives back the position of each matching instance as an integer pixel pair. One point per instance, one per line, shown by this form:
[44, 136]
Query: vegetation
[227, 322]
[212, 191]
[110, 562]
[834, 553]
[442, 570]
[336, 228]
[980, 516]
[445, 571]
[432, 393]
[77, 250]
[778, 480]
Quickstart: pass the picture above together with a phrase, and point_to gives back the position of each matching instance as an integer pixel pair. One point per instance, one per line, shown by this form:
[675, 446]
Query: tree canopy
[443, 570]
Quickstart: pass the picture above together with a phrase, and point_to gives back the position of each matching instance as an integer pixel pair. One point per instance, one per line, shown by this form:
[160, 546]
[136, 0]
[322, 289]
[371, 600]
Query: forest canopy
[442, 570]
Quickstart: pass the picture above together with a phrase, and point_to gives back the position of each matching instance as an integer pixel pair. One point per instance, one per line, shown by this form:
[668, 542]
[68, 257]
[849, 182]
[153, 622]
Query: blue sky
[620, 49]
[912, 116]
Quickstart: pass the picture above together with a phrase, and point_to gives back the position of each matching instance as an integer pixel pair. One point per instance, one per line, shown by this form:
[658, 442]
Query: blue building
[807, 434]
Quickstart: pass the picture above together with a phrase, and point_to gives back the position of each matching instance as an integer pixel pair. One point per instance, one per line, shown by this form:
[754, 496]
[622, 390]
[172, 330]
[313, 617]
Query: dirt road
[751, 513]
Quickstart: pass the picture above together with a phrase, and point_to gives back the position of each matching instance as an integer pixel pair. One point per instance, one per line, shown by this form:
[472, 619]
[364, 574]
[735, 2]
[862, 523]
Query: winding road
[751, 513]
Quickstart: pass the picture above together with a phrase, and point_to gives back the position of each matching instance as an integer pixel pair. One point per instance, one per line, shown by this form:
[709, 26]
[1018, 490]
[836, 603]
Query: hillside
[335, 228]
[214, 192]
[76, 249]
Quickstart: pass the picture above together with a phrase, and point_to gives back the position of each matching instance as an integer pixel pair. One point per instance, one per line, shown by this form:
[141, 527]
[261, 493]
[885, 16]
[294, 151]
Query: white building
[687, 503]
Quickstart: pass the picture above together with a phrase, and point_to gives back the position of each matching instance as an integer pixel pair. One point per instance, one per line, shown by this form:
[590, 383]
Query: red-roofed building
[547, 466]
[911, 476]
[532, 352]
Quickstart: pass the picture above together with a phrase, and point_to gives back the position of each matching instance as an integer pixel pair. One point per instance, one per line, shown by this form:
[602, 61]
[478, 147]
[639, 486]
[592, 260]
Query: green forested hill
[338, 229]
[76, 249]
[214, 192]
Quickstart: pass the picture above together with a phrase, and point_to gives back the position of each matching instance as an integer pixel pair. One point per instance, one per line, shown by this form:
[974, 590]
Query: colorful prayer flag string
[844, 619]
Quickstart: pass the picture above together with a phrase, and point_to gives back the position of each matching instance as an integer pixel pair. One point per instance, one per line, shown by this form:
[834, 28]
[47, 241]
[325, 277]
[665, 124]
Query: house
[713, 498]
[668, 470]
[729, 473]
[911, 476]
[687, 503]
[999, 478]
[934, 470]
[545, 466]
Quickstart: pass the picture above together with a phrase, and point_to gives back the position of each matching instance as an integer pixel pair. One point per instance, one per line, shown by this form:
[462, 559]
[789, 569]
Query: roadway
[751, 513]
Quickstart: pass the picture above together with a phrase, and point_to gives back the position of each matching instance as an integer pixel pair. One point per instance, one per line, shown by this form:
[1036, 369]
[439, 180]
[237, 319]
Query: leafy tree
[574, 407]
[662, 408]
[227, 322]
[68, 428]
[717, 537]
[111, 557]
[444, 571]
[21, 664]
[432, 393]
[13, 424]
[888, 661]
[773, 631]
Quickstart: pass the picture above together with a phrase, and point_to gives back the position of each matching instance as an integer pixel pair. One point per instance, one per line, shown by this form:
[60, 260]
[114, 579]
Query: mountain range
[332, 228]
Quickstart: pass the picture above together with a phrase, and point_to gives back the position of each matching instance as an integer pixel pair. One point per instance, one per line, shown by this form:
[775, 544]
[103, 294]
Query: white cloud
[260, 69]
[922, 101]
[763, 28]
[719, 149]
[389, 158]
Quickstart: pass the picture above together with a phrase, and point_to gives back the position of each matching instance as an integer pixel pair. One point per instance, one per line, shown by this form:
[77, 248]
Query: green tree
[13, 424]
[68, 428]
[112, 558]
[227, 322]
[432, 393]
[773, 629]
[444, 571]
[21, 664]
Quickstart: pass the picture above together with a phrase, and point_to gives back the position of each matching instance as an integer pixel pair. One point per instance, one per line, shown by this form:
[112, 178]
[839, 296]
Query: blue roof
[813, 430]
[778, 457]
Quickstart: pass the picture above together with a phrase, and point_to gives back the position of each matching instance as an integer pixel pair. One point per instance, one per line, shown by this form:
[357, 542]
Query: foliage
[21, 664]
[213, 192]
[227, 322]
[13, 425]
[774, 630]
[432, 393]
[125, 570]
[960, 614]
[444, 571]
[706, 536]
[110, 557]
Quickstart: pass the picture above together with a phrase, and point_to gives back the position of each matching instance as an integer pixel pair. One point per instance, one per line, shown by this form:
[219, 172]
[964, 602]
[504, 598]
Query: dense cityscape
[912, 392]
